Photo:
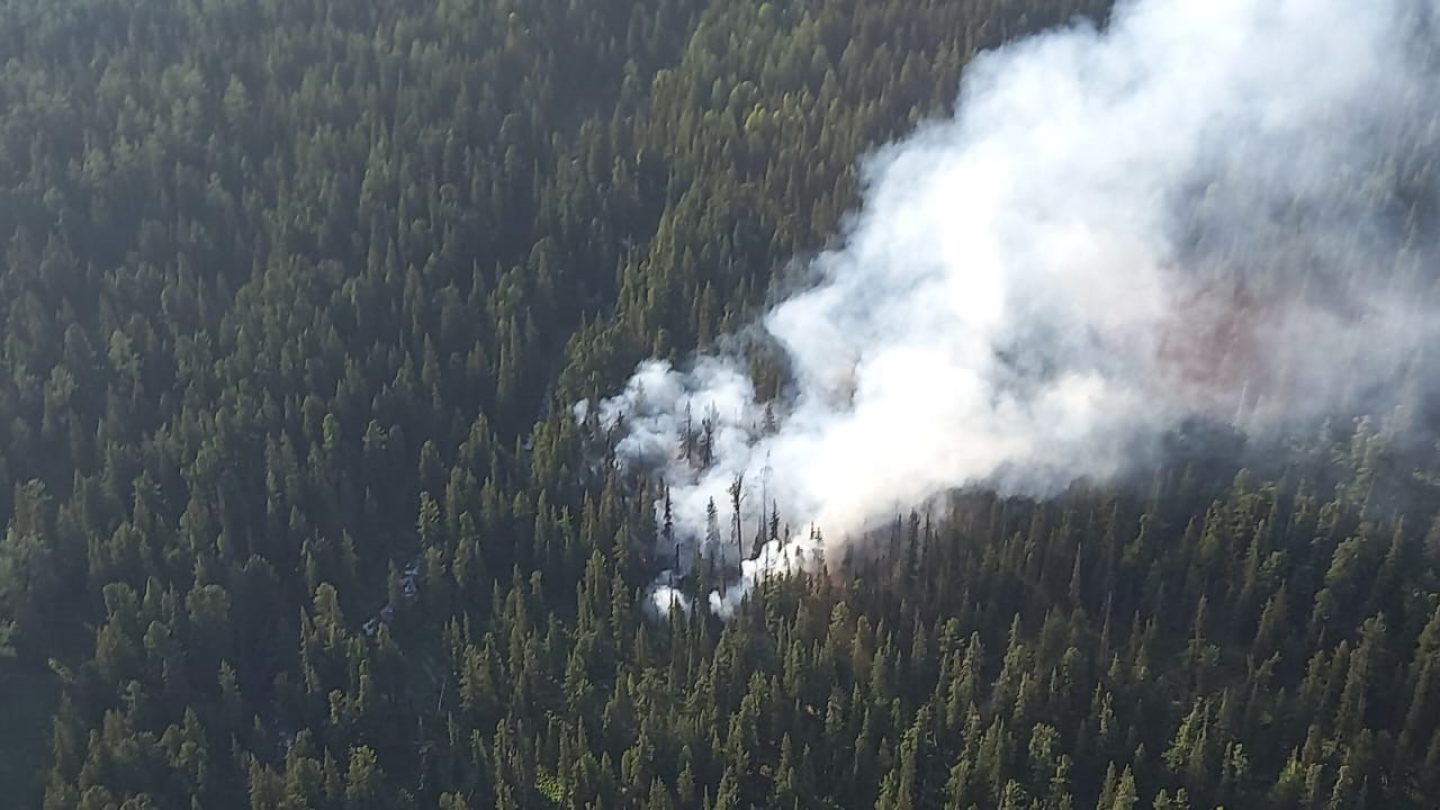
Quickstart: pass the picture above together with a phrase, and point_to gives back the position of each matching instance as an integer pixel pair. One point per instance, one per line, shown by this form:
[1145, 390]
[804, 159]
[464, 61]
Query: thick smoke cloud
[1205, 209]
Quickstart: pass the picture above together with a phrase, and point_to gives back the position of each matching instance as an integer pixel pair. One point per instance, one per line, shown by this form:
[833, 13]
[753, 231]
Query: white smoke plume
[1199, 210]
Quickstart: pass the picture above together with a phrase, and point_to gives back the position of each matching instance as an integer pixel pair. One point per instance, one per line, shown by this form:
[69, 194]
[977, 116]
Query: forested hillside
[295, 298]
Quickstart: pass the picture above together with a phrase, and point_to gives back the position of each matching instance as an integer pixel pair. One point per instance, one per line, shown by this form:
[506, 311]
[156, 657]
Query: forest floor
[27, 703]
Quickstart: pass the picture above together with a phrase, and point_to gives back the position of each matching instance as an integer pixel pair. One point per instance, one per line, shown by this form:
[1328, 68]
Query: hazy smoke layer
[1208, 208]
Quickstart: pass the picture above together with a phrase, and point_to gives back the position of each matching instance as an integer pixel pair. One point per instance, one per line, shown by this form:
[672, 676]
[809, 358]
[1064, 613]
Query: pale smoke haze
[1192, 212]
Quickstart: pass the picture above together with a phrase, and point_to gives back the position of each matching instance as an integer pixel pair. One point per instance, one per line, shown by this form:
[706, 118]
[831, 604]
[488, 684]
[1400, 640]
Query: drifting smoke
[1205, 209]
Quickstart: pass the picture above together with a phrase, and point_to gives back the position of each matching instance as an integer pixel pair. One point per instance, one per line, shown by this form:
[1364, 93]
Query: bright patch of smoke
[1205, 209]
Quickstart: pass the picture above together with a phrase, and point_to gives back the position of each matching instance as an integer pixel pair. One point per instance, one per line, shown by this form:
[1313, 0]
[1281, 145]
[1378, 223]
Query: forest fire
[1209, 351]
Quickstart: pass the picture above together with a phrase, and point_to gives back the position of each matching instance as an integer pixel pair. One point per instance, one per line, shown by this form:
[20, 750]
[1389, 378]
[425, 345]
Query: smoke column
[1204, 209]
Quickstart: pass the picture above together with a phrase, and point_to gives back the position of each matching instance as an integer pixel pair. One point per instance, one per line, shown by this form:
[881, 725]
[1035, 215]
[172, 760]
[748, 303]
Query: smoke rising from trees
[1201, 209]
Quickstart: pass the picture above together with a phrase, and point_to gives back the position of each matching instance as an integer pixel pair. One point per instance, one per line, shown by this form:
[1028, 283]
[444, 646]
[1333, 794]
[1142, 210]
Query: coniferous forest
[295, 299]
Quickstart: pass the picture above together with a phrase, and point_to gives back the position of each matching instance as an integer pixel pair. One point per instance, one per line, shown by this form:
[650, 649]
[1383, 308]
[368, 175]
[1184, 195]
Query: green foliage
[294, 299]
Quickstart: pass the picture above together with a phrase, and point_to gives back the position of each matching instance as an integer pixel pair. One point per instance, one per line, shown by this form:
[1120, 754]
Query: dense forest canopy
[295, 299]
